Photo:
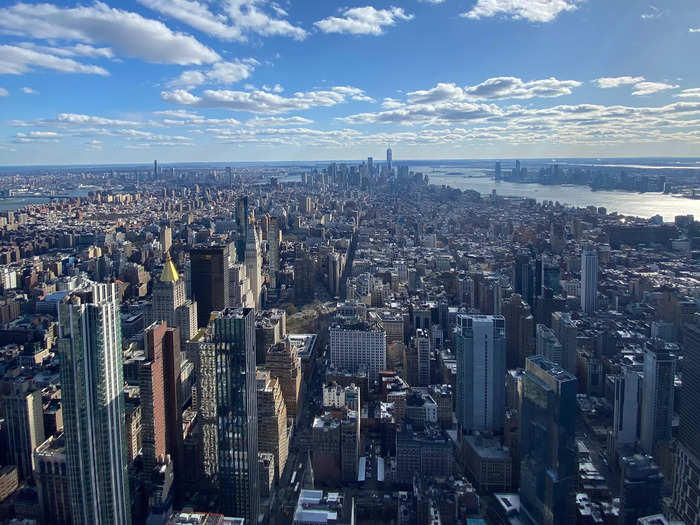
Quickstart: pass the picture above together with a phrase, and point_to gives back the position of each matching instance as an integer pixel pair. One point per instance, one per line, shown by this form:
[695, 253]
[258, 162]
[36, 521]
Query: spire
[169, 274]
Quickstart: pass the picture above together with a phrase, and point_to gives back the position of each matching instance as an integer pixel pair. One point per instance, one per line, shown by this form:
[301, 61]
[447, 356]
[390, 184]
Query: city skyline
[254, 80]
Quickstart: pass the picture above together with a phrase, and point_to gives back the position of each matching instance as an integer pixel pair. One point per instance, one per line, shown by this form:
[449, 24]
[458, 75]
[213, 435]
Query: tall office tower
[210, 284]
[239, 293]
[566, 332]
[641, 489]
[686, 481]
[24, 416]
[253, 264]
[166, 238]
[155, 169]
[481, 372]
[273, 242]
[422, 344]
[520, 331]
[557, 237]
[589, 281]
[524, 277]
[90, 349]
[370, 166]
[547, 344]
[498, 173]
[388, 158]
[272, 420]
[170, 303]
[51, 476]
[357, 345]
[627, 407]
[334, 263]
[230, 426]
[229, 177]
[548, 464]
[284, 364]
[159, 382]
[242, 225]
[657, 395]
[518, 169]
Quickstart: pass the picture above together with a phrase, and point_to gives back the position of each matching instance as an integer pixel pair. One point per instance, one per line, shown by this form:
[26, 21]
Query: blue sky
[246, 80]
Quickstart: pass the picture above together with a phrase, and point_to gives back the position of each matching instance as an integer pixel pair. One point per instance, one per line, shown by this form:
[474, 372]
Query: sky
[261, 80]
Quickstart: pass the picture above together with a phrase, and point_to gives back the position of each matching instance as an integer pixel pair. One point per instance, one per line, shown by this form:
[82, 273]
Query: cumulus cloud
[363, 20]
[531, 10]
[694, 30]
[4, 92]
[689, 93]
[128, 33]
[77, 50]
[278, 121]
[237, 19]
[613, 82]
[511, 87]
[651, 13]
[262, 102]
[29, 91]
[219, 73]
[16, 60]
[649, 88]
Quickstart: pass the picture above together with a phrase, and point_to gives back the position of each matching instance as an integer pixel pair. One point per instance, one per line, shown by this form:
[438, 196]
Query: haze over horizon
[255, 80]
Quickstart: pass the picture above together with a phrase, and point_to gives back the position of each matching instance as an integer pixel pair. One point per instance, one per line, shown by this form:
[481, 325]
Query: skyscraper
[388, 158]
[272, 420]
[520, 331]
[566, 332]
[548, 463]
[242, 224]
[253, 264]
[159, 381]
[166, 238]
[155, 169]
[657, 395]
[210, 280]
[170, 303]
[481, 372]
[230, 426]
[273, 242]
[422, 343]
[93, 411]
[22, 409]
[686, 481]
[589, 281]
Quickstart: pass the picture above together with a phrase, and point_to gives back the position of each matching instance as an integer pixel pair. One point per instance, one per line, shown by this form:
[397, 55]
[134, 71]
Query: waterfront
[627, 203]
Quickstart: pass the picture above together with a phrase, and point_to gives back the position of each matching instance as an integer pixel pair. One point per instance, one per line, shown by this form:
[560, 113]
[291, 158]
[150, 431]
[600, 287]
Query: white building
[359, 345]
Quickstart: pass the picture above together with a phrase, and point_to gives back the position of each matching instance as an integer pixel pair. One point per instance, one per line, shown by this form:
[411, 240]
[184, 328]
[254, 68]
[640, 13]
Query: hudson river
[627, 203]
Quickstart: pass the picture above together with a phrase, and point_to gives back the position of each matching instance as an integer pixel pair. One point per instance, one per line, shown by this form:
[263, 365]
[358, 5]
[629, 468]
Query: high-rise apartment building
[51, 477]
[242, 225]
[520, 331]
[166, 238]
[481, 372]
[589, 281]
[210, 280]
[566, 332]
[421, 341]
[24, 417]
[283, 362]
[253, 264]
[90, 349]
[273, 243]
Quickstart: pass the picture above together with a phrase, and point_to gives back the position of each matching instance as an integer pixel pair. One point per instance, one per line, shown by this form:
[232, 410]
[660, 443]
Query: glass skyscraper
[548, 461]
[90, 347]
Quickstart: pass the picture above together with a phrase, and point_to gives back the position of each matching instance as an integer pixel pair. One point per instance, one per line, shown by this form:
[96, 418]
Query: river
[625, 202]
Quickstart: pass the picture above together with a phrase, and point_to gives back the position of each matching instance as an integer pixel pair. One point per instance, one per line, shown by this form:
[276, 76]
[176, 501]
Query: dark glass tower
[242, 225]
[232, 337]
[548, 464]
[209, 274]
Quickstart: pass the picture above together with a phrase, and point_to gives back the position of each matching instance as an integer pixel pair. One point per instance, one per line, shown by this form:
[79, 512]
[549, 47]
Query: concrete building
[358, 345]
[273, 436]
[427, 452]
[316, 507]
[170, 303]
[589, 281]
[51, 476]
[283, 362]
[657, 395]
[24, 417]
[566, 332]
[421, 342]
[520, 330]
[641, 489]
[489, 463]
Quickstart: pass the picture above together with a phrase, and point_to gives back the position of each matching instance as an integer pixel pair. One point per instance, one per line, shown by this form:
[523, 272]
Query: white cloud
[18, 60]
[694, 30]
[651, 13]
[177, 113]
[432, 1]
[278, 121]
[689, 93]
[239, 18]
[29, 91]
[71, 51]
[649, 88]
[4, 92]
[262, 102]
[531, 10]
[128, 33]
[76, 118]
[220, 73]
[363, 20]
[511, 87]
[613, 82]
